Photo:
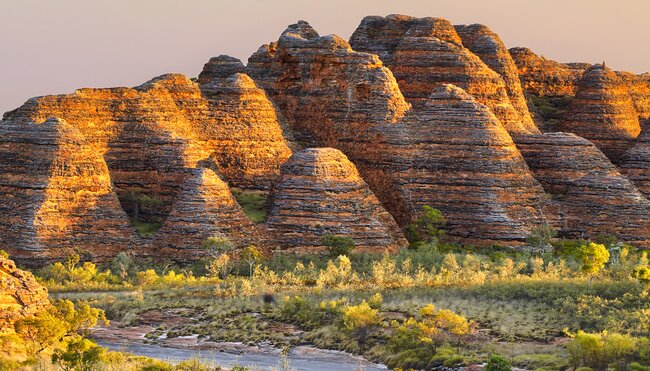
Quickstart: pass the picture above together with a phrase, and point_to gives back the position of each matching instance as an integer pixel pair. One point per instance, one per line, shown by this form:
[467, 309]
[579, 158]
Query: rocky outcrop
[424, 53]
[635, 163]
[322, 193]
[639, 89]
[588, 195]
[220, 67]
[541, 76]
[487, 45]
[602, 111]
[56, 195]
[20, 295]
[205, 208]
[456, 156]
[455, 148]
[328, 93]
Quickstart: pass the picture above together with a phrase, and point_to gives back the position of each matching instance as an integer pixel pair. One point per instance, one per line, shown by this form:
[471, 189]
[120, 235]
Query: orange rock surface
[602, 111]
[20, 295]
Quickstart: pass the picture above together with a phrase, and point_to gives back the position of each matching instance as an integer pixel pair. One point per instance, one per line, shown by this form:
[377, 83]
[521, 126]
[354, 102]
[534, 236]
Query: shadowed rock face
[541, 76]
[456, 156]
[20, 295]
[322, 193]
[602, 111]
[424, 53]
[589, 196]
[56, 194]
[487, 45]
[205, 208]
[635, 162]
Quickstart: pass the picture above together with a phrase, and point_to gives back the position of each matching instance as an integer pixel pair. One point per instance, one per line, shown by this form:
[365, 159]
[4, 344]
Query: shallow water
[299, 358]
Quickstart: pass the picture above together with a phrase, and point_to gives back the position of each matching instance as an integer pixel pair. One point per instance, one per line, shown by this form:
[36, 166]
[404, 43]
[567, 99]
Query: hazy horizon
[57, 47]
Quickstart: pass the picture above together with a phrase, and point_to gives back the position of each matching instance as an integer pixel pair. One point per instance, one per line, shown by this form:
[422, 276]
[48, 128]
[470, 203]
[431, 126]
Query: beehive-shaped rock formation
[589, 197]
[635, 162]
[322, 193]
[328, 93]
[487, 45]
[20, 295]
[56, 194]
[456, 156]
[541, 76]
[430, 53]
[205, 208]
[151, 135]
[602, 111]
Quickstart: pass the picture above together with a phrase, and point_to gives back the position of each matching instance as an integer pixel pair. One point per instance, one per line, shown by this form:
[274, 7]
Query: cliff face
[20, 295]
[487, 45]
[639, 89]
[589, 196]
[424, 53]
[322, 193]
[205, 208]
[453, 155]
[456, 156]
[56, 194]
[327, 92]
[602, 111]
[541, 76]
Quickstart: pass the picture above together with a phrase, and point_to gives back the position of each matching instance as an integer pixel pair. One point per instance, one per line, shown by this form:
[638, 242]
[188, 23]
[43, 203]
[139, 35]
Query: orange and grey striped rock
[321, 193]
[541, 76]
[424, 53]
[639, 88]
[457, 157]
[205, 208]
[56, 195]
[588, 194]
[20, 295]
[603, 112]
[487, 45]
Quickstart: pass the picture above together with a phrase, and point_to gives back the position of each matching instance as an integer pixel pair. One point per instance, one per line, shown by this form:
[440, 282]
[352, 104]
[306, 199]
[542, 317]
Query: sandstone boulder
[20, 295]
[322, 193]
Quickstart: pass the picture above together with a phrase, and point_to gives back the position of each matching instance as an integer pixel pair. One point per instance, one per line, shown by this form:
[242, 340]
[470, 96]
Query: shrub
[359, 318]
[497, 363]
[593, 257]
[338, 245]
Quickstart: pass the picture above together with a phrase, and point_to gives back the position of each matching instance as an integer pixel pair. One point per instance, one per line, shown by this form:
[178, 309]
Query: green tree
[497, 363]
[80, 354]
[338, 245]
[427, 228]
[121, 265]
[540, 237]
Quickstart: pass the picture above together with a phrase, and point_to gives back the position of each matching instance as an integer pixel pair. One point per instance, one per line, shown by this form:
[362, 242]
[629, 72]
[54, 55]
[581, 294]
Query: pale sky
[57, 46]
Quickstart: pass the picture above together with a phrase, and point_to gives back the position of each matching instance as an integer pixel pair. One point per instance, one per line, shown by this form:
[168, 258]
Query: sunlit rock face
[487, 45]
[635, 162]
[56, 195]
[424, 53]
[205, 208]
[151, 135]
[322, 193]
[327, 92]
[20, 295]
[602, 111]
[541, 76]
[588, 194]
[639, 89]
